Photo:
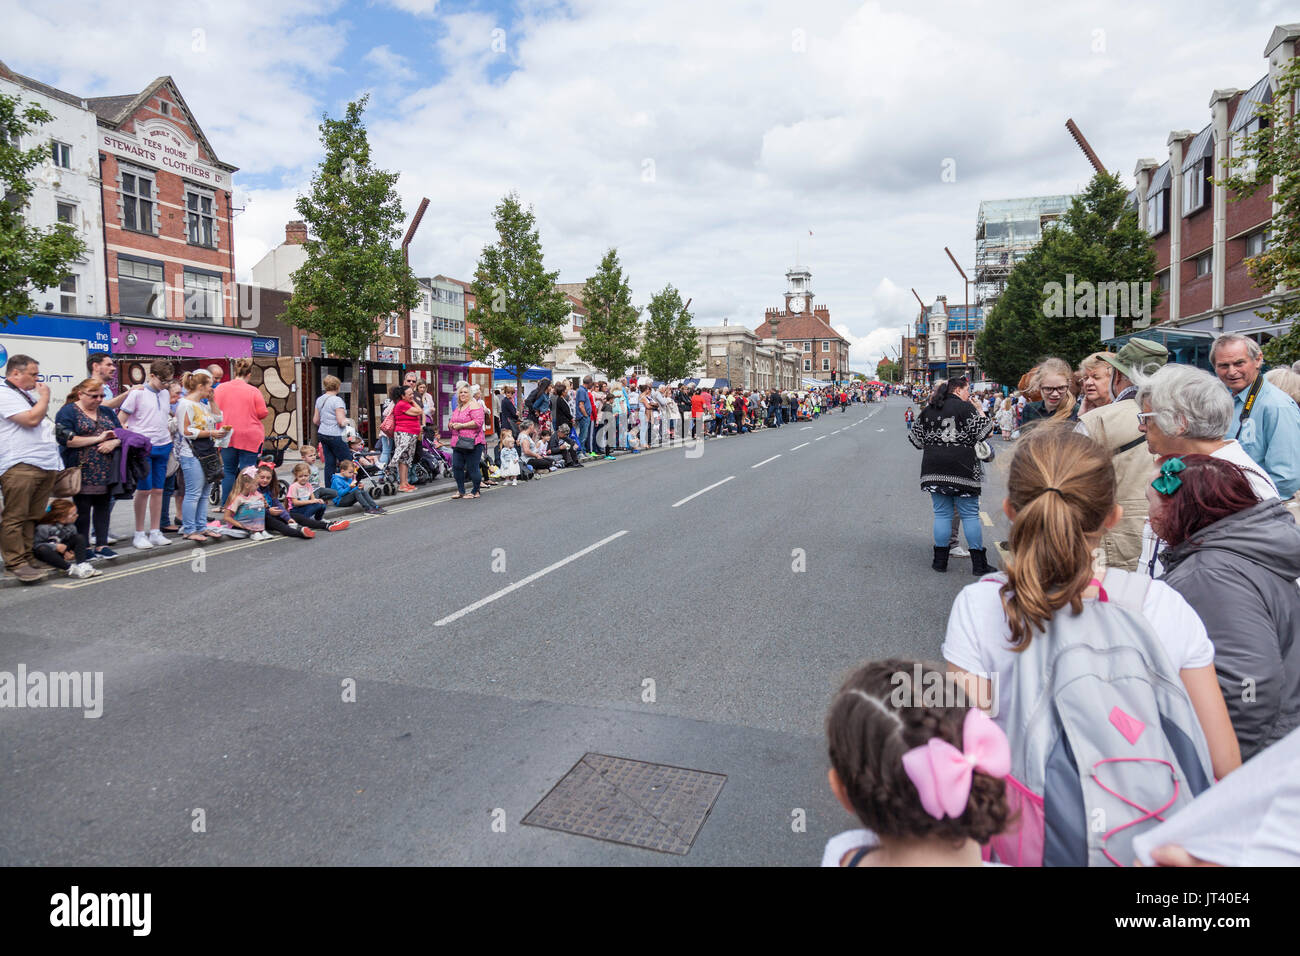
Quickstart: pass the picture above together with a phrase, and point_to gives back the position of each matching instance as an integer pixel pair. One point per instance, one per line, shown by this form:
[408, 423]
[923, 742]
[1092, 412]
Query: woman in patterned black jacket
[946, 432]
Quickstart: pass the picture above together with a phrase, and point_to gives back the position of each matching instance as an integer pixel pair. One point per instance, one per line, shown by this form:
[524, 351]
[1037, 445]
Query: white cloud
[392, 65]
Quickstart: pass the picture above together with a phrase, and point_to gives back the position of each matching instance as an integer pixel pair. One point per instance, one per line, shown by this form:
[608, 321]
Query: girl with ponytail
[1060, 500]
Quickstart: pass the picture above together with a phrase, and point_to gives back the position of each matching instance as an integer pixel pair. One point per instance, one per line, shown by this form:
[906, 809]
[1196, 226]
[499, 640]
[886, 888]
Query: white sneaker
[957, 551]
[83, 570]
[110, 540]
[141, 541]
[158, 539]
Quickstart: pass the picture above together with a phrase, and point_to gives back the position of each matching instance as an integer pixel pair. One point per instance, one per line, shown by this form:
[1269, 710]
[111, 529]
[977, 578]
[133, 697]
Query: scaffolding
[1006, 230]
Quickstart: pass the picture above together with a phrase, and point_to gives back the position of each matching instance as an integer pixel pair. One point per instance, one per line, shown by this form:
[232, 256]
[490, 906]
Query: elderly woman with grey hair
[1186, 411]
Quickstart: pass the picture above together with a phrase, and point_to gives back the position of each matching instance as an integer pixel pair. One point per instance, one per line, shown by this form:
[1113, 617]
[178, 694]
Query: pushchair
[375, 479]
[435, 461]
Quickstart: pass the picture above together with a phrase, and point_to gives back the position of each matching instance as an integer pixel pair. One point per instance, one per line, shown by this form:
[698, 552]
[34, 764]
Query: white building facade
[67, 190]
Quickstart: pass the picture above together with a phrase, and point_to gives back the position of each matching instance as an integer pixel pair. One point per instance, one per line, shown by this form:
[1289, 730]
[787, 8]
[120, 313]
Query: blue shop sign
[96, 335]
[266, 346]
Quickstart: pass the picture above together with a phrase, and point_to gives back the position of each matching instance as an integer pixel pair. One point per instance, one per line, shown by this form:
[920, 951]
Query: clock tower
[799, 295]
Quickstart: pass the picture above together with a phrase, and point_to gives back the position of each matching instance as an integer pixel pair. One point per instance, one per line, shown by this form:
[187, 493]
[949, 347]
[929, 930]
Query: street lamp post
[966, 322]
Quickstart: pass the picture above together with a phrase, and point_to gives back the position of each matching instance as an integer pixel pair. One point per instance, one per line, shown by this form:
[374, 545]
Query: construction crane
[1083, 145]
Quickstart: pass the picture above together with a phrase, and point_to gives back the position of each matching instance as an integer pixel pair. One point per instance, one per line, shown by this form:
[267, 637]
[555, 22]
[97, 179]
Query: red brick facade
[824, 344]
[162, 237]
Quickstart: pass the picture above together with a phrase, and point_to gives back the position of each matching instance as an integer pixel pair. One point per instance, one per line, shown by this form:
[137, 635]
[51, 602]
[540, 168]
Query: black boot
[979, 562]
[940, 562]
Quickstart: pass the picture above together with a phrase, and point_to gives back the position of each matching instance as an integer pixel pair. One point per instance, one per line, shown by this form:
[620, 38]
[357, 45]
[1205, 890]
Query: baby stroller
[374, 479]
[431, 459]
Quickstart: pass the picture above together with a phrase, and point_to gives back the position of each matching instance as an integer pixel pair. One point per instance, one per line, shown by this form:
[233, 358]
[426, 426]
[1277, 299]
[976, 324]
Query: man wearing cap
[1265, 420]
[1115, 427]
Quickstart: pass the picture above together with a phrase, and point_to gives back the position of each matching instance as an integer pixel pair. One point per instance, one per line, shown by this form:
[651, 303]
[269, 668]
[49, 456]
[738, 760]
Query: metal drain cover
[650, 805]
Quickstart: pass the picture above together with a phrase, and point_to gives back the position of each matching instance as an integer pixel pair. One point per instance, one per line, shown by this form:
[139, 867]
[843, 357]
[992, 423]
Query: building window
[391, 327]
[807, 347]
[62, 154]
[66, 212]
[1197, 186]
[807, 365]
[198, 213]
[1257, 243]
[1204, 263]
[1158, 212]
[68, 295]
[826, 346]
[165, 108]
[953, 347]
[202, 297]
[137, 202]
[826, 365]
[1237, 146]
[1162, 281]
[140, 288]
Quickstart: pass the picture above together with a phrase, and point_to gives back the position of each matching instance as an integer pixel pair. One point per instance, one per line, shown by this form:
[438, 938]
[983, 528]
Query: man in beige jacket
[1115, 427]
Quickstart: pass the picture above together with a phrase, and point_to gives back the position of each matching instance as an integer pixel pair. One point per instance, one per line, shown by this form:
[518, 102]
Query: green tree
[30, 258]
[887, 370]
[671, 347]
[1085, 266]
[355, 273]
[519, 310]
[1271, 157]
[609, 335]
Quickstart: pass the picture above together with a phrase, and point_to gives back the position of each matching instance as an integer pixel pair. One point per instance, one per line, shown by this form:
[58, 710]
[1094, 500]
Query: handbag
[983, 451]
[67, 484]
[205, 450]
[464, 442]
[388, 427]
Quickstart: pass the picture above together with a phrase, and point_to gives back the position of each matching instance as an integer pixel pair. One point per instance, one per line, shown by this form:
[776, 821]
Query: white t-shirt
[978, 638]
[21, 444]
[148, 413]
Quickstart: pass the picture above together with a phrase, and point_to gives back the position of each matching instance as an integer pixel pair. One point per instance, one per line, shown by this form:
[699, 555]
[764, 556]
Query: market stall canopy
[534, 373]
[708, 382]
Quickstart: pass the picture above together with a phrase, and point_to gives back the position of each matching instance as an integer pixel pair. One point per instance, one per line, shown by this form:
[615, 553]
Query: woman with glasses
[1053, 382]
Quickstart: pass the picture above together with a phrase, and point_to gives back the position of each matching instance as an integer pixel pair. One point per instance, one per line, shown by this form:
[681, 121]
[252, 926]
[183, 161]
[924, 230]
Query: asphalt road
[492, 643]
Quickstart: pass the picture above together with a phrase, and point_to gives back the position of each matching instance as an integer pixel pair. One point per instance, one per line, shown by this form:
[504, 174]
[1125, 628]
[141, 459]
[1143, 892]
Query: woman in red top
[407, 415]
[697, 412]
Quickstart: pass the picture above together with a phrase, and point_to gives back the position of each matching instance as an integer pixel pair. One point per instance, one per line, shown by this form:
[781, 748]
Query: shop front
[136, 344]
[60, 346]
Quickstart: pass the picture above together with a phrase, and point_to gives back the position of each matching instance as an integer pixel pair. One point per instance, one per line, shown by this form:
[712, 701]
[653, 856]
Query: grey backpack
[1104, 741]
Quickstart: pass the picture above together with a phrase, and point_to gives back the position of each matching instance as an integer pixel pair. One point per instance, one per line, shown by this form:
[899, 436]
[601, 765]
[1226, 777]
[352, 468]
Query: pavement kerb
[441, 487]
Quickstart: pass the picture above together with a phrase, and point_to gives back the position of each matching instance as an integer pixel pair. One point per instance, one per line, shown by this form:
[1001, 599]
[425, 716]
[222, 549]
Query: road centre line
[805, 428]
[703, 490]
[797, 447]
[528, 580]
[765, 461]
[819, 437]
[988, 522]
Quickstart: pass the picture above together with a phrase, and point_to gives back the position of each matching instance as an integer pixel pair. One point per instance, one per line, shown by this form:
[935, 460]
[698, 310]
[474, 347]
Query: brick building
[807, 328]
[169, 250]
[1202, 237]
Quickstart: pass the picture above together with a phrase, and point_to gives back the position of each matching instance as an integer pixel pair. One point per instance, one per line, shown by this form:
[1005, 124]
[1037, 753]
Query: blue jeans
[968, 509]
[385, 450]
[233, 461]
[584, 435]
[194, 507]
[336, 450]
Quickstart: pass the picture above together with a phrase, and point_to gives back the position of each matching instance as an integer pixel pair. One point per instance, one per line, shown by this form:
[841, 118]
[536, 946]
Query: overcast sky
[704, 139]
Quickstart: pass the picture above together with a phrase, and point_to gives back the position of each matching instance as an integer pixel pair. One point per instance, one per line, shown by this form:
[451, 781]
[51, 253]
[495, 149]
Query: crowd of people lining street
[168, 443]
[1151, 596]
[1153, 513]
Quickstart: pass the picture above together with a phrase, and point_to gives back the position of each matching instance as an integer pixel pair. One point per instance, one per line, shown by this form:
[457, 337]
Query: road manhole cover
[650, 805]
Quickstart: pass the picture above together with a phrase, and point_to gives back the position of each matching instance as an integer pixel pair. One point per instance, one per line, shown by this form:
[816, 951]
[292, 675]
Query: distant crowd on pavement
[1139, 655]
[173, 445]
